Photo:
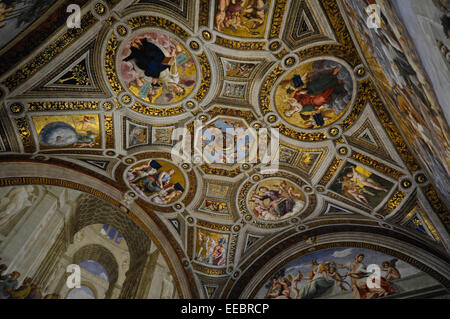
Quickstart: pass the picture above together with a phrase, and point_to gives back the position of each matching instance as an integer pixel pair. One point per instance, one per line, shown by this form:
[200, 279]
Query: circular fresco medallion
[157, 181]
[315, 94]
[157, 69]
[276, 199]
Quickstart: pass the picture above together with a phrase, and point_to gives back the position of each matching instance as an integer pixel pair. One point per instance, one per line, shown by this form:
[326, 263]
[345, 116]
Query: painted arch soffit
[105, 100]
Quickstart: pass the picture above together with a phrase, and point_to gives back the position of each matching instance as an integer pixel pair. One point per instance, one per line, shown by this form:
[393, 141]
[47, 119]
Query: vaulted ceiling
[75, 113]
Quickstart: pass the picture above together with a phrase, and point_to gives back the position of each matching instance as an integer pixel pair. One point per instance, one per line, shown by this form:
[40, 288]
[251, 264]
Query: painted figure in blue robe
[149, 58]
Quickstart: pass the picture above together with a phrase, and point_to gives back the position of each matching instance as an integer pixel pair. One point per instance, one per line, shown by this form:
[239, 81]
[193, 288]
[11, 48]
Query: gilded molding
[206, 77]
[158, 22]
[220, 171]
[153, 111]
[332, 169]
[301, 136]
[109, 131]
[63, 106]
[209, 271]
[49, 53]
[203, 15]
[110, 64]
[366, 160]
[247, 115]
[266, 89]
[232, 248]
[25, 134]
[240, 45]
[437, 205]
[277, 18]
[214, 226]
[393, 203]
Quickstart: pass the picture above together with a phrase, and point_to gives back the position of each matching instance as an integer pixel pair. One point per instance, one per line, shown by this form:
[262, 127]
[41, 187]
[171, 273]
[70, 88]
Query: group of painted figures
[325, 275]
[153, 183]
[355, 181]
[318, 95]
[274, 204]
[210, 251]
[10, 289]
[230, 14]
[158, 67]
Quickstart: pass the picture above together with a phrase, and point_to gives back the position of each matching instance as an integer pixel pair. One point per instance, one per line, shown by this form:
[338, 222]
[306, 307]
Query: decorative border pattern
[63, 106]
[332, 169]
[49, 53]
[25, 134]
[158, 22]
[277, 18]
[367, 160]
[206, 77]
[393, 203]
[240, 45]
[153, 111]
[203, 15]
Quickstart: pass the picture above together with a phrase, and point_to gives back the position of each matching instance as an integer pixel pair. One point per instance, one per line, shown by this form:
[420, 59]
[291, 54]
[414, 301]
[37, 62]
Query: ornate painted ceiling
[87, 109]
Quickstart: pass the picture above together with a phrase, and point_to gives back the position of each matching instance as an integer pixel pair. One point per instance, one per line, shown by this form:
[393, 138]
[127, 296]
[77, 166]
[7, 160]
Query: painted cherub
[392, 272]
[333, 273]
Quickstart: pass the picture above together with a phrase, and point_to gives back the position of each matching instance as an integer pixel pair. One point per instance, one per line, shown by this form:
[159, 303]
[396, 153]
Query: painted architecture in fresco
[95, 170]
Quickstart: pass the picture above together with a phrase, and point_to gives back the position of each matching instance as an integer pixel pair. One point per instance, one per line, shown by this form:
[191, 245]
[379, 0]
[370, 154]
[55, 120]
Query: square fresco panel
[242, 18]
[211, 247]
[361, 185]
[68, 131]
